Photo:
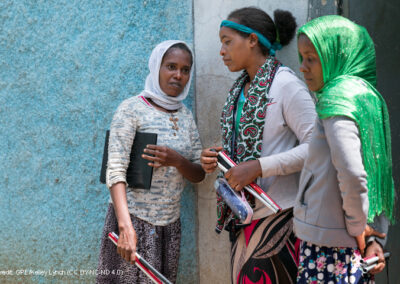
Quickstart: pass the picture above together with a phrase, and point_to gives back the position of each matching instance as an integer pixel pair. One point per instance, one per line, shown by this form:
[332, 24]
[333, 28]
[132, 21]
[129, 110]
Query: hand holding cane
[143, 265]
[369, 263]
[225, 163]
[208, 159]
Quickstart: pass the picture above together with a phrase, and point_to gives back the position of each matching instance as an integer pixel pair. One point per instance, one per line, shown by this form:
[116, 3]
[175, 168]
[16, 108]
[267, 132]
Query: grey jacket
[332, 203]
[287, 132]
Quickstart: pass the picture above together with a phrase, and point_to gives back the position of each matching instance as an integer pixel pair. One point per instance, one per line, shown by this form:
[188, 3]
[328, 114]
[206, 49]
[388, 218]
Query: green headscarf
[347, 56]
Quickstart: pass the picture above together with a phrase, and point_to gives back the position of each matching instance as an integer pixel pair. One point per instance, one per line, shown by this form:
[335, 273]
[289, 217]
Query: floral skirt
[320, 264]
[159, 245]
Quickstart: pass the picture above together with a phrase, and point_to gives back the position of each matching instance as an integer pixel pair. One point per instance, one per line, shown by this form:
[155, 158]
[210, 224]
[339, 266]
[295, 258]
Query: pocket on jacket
[306, 179]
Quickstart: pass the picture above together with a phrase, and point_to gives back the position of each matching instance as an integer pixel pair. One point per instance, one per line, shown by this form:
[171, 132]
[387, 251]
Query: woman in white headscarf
[147, 221]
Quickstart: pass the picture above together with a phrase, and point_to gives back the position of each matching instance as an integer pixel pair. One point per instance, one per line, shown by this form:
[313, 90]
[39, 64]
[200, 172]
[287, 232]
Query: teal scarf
[347, 56]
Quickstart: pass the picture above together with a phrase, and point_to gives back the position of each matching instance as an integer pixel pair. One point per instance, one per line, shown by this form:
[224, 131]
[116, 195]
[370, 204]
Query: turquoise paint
[64, 68]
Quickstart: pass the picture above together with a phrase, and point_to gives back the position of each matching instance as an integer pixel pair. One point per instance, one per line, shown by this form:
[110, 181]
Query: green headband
[262, 39]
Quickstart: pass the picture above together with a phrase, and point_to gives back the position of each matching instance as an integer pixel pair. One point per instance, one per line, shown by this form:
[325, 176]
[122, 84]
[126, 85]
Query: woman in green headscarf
[347, 180]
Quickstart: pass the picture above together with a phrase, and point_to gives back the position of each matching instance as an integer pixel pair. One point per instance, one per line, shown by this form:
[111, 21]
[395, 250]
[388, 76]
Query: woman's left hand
[162, 156]
[368, 231]
[243, 174]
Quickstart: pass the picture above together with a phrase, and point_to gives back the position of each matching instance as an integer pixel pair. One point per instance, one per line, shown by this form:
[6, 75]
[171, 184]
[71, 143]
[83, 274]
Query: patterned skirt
[320, 264]
[159, 245]
[266, 251]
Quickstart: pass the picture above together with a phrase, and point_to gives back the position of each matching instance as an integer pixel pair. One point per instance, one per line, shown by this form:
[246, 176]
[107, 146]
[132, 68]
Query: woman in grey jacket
[347, 178]
[266, 125]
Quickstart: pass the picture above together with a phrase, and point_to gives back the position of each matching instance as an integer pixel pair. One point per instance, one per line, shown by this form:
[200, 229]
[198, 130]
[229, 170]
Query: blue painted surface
[64, 68]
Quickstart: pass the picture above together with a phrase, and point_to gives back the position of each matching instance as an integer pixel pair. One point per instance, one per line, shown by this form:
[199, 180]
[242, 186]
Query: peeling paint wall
[64, 68]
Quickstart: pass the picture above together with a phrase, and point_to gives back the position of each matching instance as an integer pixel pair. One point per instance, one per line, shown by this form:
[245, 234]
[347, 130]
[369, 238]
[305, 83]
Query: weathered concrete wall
[65, 65]
[380, 18]
[317, 8]
[213, 80]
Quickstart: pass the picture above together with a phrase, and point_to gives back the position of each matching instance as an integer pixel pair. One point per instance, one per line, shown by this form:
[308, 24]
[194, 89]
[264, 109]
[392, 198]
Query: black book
[139, 174]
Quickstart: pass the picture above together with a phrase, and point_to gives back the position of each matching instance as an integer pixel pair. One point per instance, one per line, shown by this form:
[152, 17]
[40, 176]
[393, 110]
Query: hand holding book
[138, 174]
[161, 156]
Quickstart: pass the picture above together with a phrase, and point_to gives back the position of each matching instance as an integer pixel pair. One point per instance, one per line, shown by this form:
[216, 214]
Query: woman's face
[234, 49]
[311, 65]
[175, 71]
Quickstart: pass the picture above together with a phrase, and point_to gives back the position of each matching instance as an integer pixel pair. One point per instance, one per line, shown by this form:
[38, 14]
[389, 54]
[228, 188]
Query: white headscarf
[152, 87]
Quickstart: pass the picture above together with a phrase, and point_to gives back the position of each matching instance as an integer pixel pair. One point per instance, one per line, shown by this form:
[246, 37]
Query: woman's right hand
[126, 246]
[208, 159]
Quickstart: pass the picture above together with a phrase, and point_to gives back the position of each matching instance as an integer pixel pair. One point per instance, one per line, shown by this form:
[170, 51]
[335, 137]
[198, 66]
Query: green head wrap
[347, 57]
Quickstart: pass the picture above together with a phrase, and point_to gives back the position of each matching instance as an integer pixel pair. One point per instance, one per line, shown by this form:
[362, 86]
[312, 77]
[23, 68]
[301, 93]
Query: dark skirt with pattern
[159, 245]
[266, 251]
[329, 265]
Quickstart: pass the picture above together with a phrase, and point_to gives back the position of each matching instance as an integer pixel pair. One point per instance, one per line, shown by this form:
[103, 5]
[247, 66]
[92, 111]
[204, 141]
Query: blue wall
[64, 68]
